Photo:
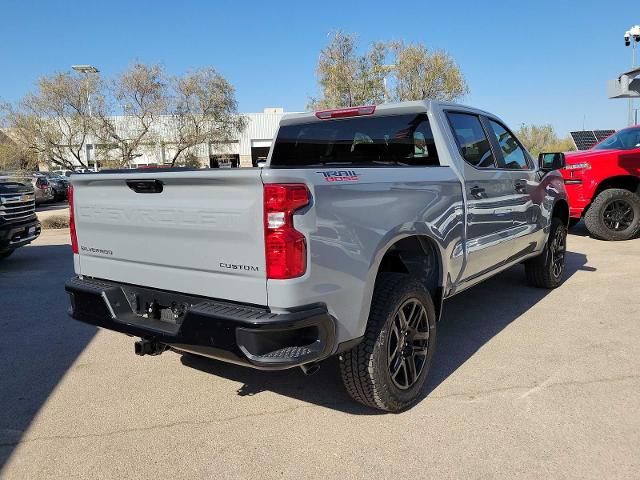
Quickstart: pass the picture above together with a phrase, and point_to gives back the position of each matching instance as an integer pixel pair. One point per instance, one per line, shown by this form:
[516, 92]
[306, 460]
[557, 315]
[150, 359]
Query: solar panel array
[585, 139]
[602, 134]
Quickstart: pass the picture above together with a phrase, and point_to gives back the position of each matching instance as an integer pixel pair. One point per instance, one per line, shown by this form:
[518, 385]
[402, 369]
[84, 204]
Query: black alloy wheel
[618, 215]
[558, 249]
[408, 344]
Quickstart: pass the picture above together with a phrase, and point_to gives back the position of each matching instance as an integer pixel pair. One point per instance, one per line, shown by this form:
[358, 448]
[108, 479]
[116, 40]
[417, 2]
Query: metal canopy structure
[627, 85]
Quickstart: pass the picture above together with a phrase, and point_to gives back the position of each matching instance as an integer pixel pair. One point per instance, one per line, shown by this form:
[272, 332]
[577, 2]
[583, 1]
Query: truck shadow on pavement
[462, 332]
[579, 230]
[38, 344]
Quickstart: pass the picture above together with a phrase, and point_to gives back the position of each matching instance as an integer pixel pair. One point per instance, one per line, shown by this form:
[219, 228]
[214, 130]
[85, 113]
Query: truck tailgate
[202, 234]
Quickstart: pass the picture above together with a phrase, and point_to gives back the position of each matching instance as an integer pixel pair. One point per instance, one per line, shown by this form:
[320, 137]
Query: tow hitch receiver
[172, 313]
[148, 347]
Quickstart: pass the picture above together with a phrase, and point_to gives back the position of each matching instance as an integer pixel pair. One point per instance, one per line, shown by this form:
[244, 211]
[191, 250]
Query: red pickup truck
[603, 185]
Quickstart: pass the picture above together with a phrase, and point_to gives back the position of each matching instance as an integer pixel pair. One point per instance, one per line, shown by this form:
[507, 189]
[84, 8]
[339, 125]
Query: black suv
[19, 225]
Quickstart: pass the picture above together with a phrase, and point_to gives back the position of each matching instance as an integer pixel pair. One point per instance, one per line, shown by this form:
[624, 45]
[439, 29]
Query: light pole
[387, 70]
[86, 70]
[631, 37]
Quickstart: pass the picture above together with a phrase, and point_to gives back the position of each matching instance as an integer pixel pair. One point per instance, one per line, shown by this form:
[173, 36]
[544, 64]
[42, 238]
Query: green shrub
[56, 222]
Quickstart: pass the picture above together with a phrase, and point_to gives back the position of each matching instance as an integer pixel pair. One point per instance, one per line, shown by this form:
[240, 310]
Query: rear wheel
[614, 215]
[547, 269]
[388, 369]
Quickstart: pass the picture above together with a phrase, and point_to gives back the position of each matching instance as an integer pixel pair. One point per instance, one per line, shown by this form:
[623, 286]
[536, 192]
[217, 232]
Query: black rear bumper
[242, 334]
[15, 235]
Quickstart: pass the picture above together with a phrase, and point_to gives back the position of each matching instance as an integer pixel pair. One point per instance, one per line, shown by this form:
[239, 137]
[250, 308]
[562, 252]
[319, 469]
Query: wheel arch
[624, 182]
[420, 256]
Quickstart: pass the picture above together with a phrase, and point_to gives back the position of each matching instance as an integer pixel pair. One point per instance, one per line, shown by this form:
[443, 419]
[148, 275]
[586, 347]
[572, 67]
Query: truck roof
[386, 109]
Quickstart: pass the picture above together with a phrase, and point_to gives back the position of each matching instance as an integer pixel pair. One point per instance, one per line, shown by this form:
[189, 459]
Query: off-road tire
[365, 369]
[542, 271]
[595, 222]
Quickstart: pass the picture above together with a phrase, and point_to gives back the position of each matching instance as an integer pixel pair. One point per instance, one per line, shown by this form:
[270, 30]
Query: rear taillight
[285, 247]
[346, 112]
[72, 222]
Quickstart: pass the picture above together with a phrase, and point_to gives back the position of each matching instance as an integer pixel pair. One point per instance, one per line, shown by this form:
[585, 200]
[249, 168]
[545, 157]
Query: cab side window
[472, 139]
[513, 154]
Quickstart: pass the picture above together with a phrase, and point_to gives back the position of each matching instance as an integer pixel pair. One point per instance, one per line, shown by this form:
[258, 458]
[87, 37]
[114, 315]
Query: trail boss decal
[340, 176]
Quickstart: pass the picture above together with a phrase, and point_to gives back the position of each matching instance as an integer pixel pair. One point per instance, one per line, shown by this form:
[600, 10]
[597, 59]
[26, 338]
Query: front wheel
[388, 369]
[547, 269]
[614, 215]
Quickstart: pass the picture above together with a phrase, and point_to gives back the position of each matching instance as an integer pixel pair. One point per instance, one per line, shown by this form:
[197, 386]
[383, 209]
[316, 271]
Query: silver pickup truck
[362, 222]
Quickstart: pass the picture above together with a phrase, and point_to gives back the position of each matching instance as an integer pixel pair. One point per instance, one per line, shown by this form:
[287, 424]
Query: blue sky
[527, 61]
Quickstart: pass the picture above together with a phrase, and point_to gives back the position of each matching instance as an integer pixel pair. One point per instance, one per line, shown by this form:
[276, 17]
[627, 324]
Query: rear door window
[403, 140]
[472, 140]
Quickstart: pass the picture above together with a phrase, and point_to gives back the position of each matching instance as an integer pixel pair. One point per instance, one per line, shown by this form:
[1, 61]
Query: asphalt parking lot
[525, 384]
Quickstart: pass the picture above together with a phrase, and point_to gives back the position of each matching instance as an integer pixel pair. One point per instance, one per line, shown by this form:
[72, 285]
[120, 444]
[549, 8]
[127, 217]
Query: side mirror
[551, 161]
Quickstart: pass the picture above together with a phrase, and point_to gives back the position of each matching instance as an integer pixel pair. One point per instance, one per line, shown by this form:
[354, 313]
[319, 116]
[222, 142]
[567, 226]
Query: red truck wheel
[614, 215]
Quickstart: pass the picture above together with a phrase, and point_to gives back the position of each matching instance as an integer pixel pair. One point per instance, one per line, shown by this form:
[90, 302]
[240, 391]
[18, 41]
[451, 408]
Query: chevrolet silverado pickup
[603, 186]
[19, 225]
[346, 243]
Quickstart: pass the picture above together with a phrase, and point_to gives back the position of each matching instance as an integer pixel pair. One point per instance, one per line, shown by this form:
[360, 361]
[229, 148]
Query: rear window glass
[404, 140]
[472, 140]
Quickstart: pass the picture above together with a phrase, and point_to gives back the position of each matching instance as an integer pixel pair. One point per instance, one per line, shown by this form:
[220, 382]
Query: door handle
[477, 192]
[503, 213]
[145, 186]
[520, 186]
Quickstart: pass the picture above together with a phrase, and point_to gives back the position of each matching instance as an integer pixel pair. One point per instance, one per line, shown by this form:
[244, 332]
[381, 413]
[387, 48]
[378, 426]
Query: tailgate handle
[145, 186]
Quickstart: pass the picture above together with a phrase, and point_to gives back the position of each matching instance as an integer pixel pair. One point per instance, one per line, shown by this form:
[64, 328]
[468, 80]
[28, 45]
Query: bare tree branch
[141, 94]
[204, 111]
[53, 122]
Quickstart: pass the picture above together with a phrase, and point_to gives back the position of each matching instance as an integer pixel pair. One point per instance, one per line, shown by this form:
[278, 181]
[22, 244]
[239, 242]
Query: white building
[251, 145]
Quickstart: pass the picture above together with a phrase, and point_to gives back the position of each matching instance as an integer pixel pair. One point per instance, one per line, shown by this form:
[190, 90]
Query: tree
[13, 156]
[130, 115]
[347, 79]
[204, 111]
[189, 160]
[141, 95]
[543, 138]
[421, 74]
[53, 123]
